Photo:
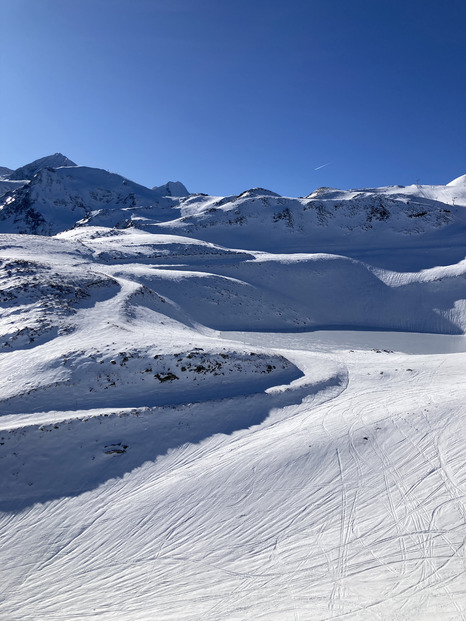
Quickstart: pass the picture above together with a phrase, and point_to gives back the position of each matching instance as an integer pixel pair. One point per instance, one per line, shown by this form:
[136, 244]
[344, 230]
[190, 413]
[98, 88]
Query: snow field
[349, 502]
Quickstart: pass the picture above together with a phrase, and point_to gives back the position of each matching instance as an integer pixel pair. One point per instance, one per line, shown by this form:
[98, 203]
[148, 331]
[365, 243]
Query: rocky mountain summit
[28, 171]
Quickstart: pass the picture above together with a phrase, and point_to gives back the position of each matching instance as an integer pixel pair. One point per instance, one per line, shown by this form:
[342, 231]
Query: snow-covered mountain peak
[57, 198]
[323, 191]
[28, 171]
[458, 182]
[255, 192]
[172, 188]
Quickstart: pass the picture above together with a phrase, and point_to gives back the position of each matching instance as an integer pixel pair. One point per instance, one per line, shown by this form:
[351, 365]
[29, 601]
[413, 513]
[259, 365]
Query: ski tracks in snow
[345, 508]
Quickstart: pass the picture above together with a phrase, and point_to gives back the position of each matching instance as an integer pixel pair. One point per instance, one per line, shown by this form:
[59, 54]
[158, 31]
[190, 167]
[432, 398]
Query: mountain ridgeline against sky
[53, 194]
[50, 161]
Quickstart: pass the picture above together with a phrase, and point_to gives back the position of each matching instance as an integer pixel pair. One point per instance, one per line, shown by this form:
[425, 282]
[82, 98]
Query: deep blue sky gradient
[225, 95]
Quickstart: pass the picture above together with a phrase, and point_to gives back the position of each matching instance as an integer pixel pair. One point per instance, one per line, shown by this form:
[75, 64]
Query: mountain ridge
[57, 199]
[28, 171]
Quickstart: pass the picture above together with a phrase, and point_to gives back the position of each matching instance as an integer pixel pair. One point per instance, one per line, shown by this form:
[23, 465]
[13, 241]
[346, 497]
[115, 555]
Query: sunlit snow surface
[192, 431]
[347, 503]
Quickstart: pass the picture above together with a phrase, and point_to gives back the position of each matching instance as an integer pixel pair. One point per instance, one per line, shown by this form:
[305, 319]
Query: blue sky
[225, 95]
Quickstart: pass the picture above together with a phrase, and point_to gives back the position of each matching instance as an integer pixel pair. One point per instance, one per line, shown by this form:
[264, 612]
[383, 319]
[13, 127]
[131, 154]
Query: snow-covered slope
[249, 407]
[428, 222]
[56, 199]
[327, 219]
[57, 302]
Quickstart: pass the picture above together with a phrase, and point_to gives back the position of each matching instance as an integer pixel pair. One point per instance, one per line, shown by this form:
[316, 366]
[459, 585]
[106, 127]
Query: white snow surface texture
[230, 408]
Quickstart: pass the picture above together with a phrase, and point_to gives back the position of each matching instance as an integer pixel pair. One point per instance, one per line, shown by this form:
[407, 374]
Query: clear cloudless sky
[225, 95]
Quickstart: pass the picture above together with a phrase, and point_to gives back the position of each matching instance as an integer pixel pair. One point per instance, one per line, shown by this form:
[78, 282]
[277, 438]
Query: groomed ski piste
[238, 408]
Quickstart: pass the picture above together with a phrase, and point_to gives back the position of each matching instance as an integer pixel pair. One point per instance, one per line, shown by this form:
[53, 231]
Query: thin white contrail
[323, 166]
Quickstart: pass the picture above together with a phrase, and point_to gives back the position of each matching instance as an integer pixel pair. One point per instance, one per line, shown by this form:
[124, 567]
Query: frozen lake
[331, 340]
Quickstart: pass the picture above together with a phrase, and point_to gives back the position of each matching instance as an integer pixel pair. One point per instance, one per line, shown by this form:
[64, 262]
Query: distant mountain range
[53, 194]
